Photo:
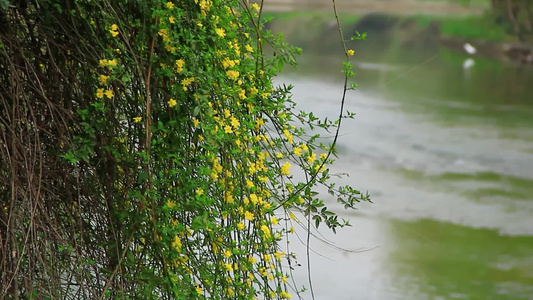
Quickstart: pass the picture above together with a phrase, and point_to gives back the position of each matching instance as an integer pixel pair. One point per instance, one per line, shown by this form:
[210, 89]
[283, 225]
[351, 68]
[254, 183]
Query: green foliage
[175, 166]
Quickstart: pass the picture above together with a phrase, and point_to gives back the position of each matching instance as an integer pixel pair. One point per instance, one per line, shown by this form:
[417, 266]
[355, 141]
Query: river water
[446, 152]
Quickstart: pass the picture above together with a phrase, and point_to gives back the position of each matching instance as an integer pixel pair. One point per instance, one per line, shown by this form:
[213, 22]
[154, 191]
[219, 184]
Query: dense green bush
[145, 152]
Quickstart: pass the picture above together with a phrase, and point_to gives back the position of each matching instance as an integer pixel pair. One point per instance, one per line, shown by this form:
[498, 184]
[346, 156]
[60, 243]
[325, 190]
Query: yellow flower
[248, 215]
[114, 27]
[172, 102]
[170, 5]
[323, 156]
[199, 290]
[170, 204]
[228, 198]
[187, 81]
[171, 20]
[233, 74]
[103, 79]
[311, 158]
[227, 253]
[179, 65]
[242, 94]
[249, 184]
[200, 24]
[285, 169]
[249, 48]
[265, 230]
[199, 192]
[235, 123]
[254, 6]
[100, 93]
[279, 155]
[227, 129]
[137, 119]
[103, 62]
[274, 221]
[229, 267]
[350, 52]
[112, 63]
[109, 93]
[297, 151]
[195, 122]
[220, 32]
[176, 244]
[113, 33]
[240, 226]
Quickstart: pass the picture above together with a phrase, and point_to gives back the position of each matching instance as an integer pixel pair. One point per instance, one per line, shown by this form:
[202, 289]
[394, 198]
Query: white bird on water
[469, 48]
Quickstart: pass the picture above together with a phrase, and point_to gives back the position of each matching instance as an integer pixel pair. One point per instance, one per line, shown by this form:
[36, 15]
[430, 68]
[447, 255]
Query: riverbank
[489, 39]
[361, 7]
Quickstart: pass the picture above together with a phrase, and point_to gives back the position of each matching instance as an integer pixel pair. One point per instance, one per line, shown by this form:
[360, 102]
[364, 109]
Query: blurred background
[442, 140]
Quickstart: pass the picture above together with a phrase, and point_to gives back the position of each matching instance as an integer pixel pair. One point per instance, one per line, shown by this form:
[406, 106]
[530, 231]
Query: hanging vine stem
[333, 144]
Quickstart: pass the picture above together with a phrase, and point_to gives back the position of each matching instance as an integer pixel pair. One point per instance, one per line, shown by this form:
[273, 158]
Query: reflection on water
[447, 154]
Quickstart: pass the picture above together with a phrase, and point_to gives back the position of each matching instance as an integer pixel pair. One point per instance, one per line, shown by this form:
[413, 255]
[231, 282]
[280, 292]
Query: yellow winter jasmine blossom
[311, 158]
[170, 5]
[176, 244]
[199, 192]
[171, 20]
[227, 129]
[249, 48]
[240, 226]
[265, 230]
[297, 151]
[137, 119]
[350, 52]
[254, 6]
[103, 62]
[279, 155]
[242, 94]
[112, 63]
[195, 122]
[220, 32]
[199, 290]
[103, 79]
[170, 204]
[229, 267]
[227, 253]
[100, 93]
[179, 65]
[248, 215]
[249, 184]
[285, 169]
[232, 74]
[274, 221]
[109, 94]
[235, 123]
[228, 197]
[172, 102]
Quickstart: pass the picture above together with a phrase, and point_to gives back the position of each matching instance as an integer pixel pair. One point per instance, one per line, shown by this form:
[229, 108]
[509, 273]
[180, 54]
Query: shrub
[147, 154]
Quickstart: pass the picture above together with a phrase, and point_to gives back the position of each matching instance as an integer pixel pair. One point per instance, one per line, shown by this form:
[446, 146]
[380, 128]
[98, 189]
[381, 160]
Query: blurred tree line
[517, 15]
